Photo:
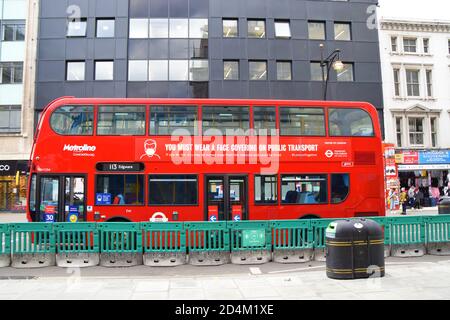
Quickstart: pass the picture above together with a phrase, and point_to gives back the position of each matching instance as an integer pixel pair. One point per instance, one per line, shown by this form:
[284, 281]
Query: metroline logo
[77, 148]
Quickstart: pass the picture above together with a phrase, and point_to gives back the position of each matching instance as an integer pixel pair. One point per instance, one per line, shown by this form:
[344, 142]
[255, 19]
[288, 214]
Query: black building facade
[206, 48]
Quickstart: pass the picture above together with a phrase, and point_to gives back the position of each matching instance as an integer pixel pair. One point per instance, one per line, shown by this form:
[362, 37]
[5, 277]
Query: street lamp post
[333, 60]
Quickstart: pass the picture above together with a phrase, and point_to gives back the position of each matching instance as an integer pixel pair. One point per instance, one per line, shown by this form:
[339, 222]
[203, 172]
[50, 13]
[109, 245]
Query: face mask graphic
[150, 149]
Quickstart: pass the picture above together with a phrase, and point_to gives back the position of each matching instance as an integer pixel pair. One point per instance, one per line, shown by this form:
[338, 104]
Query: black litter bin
[444, 205]
[355, 249]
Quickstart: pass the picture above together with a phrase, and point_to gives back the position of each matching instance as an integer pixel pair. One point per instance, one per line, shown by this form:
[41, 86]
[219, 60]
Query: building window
[256, 28]
[105, 28]
[433, 127]
[394, 46]
[342, 31]
[121, 120]
[316, 71]
[198, 28]
[159, 28]
[412, 82]
[77, 27]
[304, 189]
[230, 28]
[139, 28]
[179, 28]
[282, 29]
[398, 130]
[11, 72]
[179, 70]
[231, 70]
[429, 76]
[397, 82]
[120, 189]
[346, 74]
[158, 70]
[173, 190]
[449, 46]
[416, 131]
[298, 121]
[198, 70]
[10, 119]
[284, 70]
[257, 70]
[104, 70]
[13, 32]
[316, 30]
[266, 189]
[264, 118]
[75, 70]
[426, 45]
[137, 70]
[168, 120]
[410, 45]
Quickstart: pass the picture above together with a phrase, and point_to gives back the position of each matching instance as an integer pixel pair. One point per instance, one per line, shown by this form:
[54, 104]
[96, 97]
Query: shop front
[13, 185]
[426, 170]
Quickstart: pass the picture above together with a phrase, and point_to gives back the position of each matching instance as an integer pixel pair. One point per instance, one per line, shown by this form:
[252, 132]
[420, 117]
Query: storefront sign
[8, 168]
[434, 157]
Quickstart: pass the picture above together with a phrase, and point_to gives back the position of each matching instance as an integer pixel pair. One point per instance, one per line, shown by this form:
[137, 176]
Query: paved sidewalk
[6, 217]
[415, 278]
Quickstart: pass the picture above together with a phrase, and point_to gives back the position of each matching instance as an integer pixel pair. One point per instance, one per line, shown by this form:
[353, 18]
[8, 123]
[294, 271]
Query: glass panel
[178, 70]
[198, 70]
[173, 190]
[340, 185]
[282, 29]
[409, 45]
[74, 197]
[198, 28]
[104, 70]
[8, 32]
[230, 28]
[121, 120]
[49, 195]
[298, 121]
[316, 30]
[137, 70]
[264, 118]
[18, 72]
[316, 71]
[77, 28]
[350, 122]
[346, 74]
[215, 190]
[159, 28]
[304, 189]
[75, 71]
[257, 70]
[73, 120]
[342, 31]
[158, 70]
[105, 28]
[139, 28]
[179, 28]
[284, 70]
[231, 70]
[221, 119]
[165, 120]
[266, 189]
[120, 190]
[256, 28]
[33, 193]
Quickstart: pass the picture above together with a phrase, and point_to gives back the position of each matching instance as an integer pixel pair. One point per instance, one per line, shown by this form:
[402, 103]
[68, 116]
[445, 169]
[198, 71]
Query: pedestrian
[403, 200]
[419, 198]
[391, 199]
[411, 196]
[434, 195]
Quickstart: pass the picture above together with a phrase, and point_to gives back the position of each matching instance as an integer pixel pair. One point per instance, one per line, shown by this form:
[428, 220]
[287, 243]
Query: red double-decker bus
[205, 160]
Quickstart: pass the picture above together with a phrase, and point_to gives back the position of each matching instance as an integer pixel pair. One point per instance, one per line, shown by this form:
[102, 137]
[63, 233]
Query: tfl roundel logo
[329, 153]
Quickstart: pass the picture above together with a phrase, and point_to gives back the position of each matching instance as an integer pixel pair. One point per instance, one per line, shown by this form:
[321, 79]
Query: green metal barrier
[250, 242]
[292, 241]
[120, 244]
[407, 236]
[208, 243]
[77, 244]
[437, 234]
[33, 245]
[164, 243]
[5, 245]
[318, 229]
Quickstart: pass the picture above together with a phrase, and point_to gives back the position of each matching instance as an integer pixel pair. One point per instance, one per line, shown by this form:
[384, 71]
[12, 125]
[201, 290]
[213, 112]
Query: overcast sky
[415, 9]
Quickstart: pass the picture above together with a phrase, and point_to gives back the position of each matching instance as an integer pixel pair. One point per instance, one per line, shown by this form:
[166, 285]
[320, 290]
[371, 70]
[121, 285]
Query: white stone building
[415, 62]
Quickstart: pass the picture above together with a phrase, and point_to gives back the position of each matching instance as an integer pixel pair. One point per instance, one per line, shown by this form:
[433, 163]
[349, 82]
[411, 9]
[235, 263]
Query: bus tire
[118, 219]
[309, 216]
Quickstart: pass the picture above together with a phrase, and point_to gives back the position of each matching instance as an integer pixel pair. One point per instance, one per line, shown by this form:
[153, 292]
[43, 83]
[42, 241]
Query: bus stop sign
[254, 238]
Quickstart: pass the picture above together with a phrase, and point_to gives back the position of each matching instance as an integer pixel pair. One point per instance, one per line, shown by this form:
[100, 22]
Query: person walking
[403, 200]
[411, 196]
[419, 198]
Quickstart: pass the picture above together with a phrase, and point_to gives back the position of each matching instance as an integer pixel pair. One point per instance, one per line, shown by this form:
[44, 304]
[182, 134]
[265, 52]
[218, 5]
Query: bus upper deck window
[173, 120]
[350, 123]
[121, 120]
[73, 120]
[300, 121]
[223, 120]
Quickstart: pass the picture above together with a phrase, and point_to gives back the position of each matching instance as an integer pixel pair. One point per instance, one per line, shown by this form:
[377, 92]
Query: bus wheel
[309, 216]
[117, 219]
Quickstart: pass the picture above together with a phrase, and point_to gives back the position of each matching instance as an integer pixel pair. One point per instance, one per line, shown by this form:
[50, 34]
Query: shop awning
[417, 167]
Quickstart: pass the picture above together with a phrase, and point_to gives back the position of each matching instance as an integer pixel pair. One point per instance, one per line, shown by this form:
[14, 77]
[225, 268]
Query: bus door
[226, 198]
[61, 198]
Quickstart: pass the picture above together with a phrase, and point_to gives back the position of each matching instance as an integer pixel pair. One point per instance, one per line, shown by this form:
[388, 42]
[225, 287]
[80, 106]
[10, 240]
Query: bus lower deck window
[173, 190]
[266, 189]
[116, 189]
[304, 189]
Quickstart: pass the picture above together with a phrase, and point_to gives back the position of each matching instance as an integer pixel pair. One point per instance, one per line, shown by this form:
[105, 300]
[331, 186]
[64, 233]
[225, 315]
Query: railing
[27, 245]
